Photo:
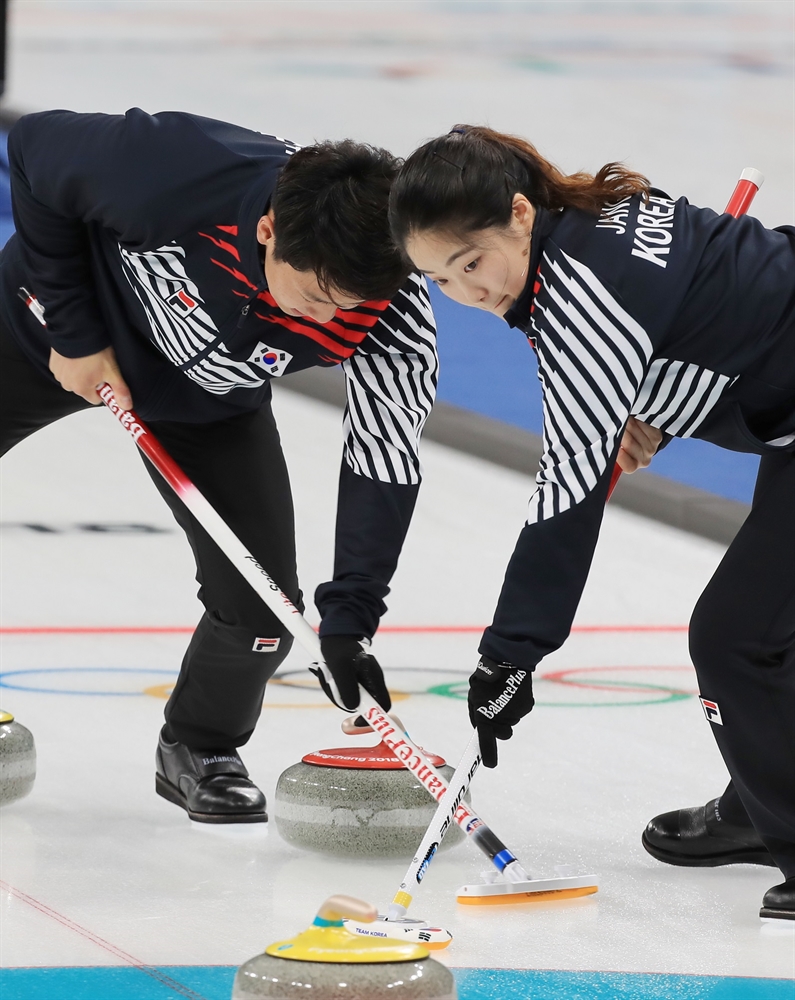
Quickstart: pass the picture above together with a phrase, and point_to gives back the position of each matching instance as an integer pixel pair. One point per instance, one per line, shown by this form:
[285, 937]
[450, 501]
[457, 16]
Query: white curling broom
[274, 599]
[271, 594]
[412, 757]
[511, 883]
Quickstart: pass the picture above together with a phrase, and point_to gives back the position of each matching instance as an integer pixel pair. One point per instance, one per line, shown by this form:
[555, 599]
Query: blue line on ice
[215, 983]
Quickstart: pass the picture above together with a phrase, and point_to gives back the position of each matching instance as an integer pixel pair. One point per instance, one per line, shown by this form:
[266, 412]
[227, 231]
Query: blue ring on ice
[80, 670]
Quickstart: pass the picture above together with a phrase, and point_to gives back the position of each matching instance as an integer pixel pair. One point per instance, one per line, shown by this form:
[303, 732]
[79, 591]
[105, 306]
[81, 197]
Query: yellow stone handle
[341, 907]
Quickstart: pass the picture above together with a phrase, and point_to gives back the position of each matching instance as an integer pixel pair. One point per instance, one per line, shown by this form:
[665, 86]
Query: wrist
[78, 348]
[490, 668]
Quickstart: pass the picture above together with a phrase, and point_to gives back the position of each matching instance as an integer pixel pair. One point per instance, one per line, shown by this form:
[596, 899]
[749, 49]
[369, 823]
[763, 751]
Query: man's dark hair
[330, 210]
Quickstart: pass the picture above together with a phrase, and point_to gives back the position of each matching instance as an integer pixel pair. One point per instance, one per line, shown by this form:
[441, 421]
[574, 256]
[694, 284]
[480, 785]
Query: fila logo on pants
[711, 711]
[265, 645]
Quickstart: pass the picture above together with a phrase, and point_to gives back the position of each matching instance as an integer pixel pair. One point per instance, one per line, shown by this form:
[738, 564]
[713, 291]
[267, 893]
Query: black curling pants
[239, 466]
[742, 642]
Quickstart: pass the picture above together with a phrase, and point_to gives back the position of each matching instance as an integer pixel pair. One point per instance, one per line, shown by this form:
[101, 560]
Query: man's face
[298, 293]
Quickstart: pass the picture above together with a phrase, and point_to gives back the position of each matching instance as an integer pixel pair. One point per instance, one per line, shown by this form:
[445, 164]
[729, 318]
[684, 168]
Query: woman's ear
[265, 230]
[522, 214]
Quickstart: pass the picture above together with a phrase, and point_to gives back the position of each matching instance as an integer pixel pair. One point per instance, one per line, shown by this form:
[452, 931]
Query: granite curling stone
[17, 759]
[357, 802]
[326, 962]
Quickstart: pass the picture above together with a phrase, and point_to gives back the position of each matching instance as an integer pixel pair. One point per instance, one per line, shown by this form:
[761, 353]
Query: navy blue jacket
[671, 313]
[138, 232]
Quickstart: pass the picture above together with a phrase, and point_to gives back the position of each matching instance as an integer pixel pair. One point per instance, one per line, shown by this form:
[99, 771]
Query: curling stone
[327, 962]
[357, 802]
[17, 759]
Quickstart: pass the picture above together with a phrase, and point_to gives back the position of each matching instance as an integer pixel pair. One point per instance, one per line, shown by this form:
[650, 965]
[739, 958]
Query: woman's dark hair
[466, 180]
[330, 211]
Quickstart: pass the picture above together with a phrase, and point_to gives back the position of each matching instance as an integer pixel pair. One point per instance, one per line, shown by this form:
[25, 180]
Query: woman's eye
[470, 266]
[439, 281]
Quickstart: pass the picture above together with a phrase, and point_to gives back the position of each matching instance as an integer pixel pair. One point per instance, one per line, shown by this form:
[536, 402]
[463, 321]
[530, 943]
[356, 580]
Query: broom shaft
[412, 756]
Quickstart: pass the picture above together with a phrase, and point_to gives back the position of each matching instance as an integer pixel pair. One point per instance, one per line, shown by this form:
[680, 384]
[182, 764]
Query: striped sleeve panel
[181, 327]
[676, 397]
[156, 278]
[391, 385]
[592, 358]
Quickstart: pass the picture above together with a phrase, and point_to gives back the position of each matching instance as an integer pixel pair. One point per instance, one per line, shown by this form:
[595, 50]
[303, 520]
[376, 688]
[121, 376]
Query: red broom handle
[147, 443]
[749, 183]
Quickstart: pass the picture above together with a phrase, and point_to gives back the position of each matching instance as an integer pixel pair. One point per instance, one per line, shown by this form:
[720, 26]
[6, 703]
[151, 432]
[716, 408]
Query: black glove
[499, 696]
[347, 666]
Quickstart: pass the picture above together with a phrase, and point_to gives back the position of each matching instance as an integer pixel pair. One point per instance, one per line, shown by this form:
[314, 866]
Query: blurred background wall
[687, 92]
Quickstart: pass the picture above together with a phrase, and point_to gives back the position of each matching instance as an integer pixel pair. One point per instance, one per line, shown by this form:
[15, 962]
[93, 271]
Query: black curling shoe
[212, 786]
[780, 901]
[699, 838]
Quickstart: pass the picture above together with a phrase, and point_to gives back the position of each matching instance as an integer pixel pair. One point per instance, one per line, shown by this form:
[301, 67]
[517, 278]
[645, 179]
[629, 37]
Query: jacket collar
[254, 205]
[519, 313]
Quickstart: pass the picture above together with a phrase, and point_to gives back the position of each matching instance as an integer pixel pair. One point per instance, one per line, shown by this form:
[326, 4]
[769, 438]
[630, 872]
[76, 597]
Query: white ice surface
[95, 845]
[687, 93]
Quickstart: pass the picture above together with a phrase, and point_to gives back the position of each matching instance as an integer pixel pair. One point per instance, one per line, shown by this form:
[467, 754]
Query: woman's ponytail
[466, 180]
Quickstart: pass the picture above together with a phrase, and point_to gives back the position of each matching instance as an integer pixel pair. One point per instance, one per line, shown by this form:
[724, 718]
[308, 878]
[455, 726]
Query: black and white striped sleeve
[391, 385]
[601, 311]
[592, 358]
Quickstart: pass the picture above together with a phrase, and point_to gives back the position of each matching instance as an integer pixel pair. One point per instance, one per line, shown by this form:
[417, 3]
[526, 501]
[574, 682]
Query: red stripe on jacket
[223, 245]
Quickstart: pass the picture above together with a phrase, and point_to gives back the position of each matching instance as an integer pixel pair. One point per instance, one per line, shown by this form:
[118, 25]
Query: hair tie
[457, 131]
[449, 162]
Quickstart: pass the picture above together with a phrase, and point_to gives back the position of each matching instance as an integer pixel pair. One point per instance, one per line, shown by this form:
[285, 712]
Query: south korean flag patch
[271, 359]
[711, 711]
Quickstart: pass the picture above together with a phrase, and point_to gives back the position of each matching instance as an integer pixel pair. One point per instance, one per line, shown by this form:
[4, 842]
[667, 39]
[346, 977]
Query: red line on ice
[97, 630]
[72, 925]
[564, 677]
[384, 630]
